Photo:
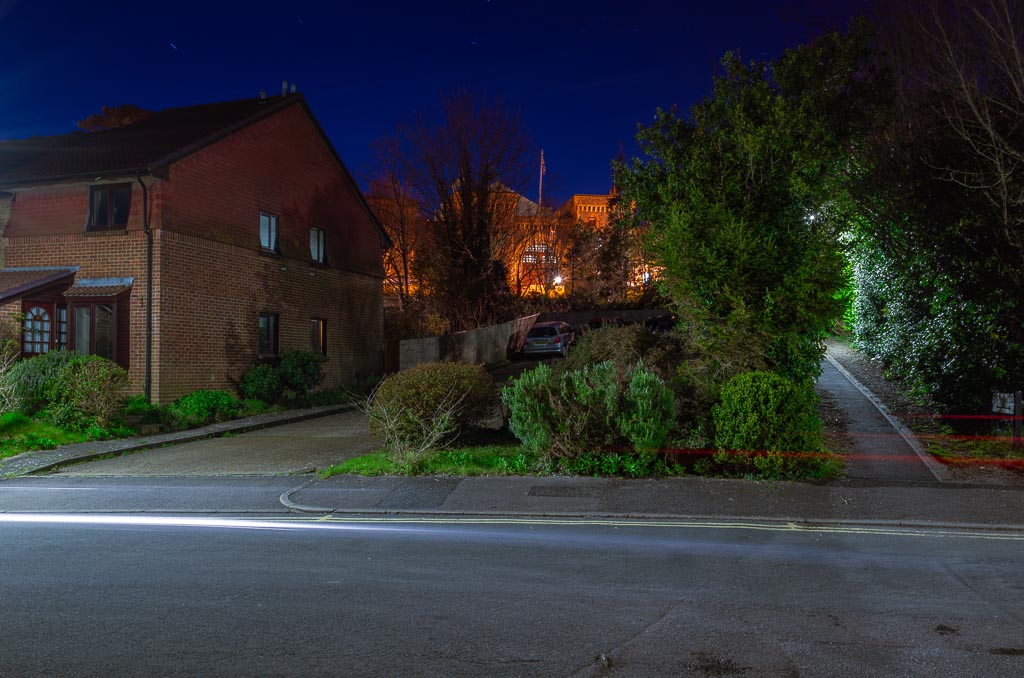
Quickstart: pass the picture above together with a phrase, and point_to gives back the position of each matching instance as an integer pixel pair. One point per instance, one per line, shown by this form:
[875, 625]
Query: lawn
[485, 460]
[19, 433]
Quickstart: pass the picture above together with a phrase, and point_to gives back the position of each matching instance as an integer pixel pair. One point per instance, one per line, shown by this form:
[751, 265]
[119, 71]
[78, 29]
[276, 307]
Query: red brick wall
[216, 281]
[10, 317]
[208, 336]
[278, 165]
[5, 213]
[63, 209]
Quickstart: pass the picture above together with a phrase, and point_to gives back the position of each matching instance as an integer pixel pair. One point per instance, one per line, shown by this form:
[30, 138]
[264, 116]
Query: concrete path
[883, 450]
[291, 448]
[37, 461]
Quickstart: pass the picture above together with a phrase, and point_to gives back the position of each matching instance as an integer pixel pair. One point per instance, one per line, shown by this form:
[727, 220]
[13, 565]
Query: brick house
[192, 243]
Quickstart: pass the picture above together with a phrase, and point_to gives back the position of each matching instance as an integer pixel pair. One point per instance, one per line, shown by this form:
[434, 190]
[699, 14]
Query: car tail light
[558, 339]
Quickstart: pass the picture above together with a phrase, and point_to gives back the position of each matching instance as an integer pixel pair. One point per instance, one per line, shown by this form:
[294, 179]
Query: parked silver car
[549, 338]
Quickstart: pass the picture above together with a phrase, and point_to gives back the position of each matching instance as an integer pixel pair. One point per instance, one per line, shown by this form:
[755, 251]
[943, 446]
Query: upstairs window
[317, 245]
[268, 334]
[268, 232]
[109, 206]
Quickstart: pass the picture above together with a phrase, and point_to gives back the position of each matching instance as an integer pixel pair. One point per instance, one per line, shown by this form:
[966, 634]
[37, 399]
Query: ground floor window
[37, 331]
[95, 329]
[268, 334]
[318, 336]
[61, 331]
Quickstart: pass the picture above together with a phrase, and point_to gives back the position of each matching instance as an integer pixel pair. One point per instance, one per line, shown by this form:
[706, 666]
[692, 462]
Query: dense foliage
[291, 381]
[763, 412]
[75, 392]
[939, 190]
[300, 373]
[203, 407]
[91, 386]
[737, 198]
[35, 380]
[261, 382]
[569, 418]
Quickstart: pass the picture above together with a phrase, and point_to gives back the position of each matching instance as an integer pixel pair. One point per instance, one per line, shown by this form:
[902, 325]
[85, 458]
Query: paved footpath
[883, 449]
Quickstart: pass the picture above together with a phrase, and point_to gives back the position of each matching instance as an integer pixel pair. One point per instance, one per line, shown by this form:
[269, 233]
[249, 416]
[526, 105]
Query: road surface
[86, 594]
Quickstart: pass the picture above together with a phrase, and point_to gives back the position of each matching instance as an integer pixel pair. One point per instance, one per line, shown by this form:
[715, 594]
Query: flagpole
[540, 185]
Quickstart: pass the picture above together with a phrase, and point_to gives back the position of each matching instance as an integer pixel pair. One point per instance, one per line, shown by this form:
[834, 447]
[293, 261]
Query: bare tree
[965, 58]
[454, 167]
[403, 218]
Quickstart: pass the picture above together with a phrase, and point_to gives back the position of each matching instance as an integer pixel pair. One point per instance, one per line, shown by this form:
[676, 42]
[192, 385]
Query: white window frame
[269, 232]
[318, 245]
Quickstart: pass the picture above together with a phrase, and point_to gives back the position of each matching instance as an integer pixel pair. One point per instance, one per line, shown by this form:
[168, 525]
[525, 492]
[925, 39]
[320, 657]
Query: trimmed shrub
[300, 372]
[203, 407]
[427, 406]
[764, 412]
[261, 382]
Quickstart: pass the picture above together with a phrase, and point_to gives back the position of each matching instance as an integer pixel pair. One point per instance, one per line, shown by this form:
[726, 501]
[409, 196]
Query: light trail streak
[411, 524]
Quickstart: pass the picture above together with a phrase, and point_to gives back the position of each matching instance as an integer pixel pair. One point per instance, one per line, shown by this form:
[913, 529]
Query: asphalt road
[186, 596]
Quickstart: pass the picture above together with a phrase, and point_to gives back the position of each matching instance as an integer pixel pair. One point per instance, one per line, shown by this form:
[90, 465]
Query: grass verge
[19, 433]
[974, 450]
[485, 460]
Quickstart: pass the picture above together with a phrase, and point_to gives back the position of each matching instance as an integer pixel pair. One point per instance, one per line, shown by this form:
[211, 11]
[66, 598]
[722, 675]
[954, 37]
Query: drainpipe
[148, 380]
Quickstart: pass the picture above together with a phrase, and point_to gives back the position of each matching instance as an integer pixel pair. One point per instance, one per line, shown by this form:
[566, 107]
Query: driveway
[281, 450]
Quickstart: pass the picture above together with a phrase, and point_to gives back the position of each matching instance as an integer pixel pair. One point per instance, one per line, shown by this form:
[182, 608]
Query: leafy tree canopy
[740, 199]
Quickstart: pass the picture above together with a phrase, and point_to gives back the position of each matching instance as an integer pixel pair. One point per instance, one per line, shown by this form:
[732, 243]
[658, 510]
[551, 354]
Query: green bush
[530, 402]
[300, 373]
[93, 386]
[612, 464]
[142, 410]
[648, 411]
[34, 380]
[567, 416]
[203, 407]
[427, 406]
[68, 417]
[252, 406]
[261, 382]
[764, 412]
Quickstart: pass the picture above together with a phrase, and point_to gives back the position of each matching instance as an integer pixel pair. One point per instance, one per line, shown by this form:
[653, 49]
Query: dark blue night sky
[584, 73]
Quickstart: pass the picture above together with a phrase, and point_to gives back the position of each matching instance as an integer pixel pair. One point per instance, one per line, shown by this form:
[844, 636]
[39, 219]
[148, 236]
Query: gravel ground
[922, 421]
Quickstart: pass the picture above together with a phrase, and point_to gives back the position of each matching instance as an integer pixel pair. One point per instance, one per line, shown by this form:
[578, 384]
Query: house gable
[282, 166]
